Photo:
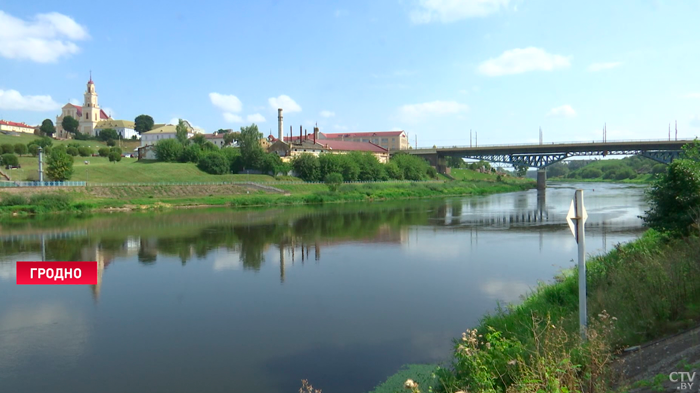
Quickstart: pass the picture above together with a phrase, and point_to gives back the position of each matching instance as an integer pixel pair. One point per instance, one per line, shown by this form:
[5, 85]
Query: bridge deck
[553, 148]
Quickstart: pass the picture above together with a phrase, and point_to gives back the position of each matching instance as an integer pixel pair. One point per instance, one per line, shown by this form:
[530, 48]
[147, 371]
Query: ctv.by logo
[686, 379]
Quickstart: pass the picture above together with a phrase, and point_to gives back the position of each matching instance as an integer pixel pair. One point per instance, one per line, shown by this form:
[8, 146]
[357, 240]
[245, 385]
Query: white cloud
[13, 100]
[256, 118]
[695, 121]
[284, 102]
[603, 66]
[231, 118]
[516, 61]
[227, 103]
[327, 114]
[75, 101]
[417, 112]
[44, 39]
[174, 121]
[447, 11]
[562, 111]
[692, 95]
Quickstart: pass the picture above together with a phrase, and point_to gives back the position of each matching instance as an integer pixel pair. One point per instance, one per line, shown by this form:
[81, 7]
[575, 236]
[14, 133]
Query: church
[88, 115]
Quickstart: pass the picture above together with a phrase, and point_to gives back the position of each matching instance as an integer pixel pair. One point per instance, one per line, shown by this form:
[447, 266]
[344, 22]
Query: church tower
[91, 110]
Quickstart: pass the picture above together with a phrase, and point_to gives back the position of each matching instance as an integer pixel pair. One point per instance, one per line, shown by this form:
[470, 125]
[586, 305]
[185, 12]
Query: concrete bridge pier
[541, 178]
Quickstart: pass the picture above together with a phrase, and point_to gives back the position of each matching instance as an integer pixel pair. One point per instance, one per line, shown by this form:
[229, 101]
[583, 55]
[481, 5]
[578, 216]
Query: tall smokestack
[279, 125]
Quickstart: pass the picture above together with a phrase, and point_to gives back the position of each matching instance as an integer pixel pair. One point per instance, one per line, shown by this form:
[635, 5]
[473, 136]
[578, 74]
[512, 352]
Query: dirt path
[657, 365]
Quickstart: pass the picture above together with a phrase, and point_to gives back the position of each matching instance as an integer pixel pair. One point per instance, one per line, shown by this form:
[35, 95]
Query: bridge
[541, 156]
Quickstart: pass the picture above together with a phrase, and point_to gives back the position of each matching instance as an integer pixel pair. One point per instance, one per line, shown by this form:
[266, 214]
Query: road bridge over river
[542, 155]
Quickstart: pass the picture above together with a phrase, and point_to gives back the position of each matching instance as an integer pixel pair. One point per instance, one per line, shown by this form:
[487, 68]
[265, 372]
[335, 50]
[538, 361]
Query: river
[256, 300]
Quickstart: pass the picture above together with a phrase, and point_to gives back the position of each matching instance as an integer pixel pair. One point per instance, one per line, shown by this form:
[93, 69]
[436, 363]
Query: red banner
[57, 273]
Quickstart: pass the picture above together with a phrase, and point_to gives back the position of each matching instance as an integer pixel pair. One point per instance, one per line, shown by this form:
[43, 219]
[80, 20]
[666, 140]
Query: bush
[214, 163]
[191, 153]
[333, 181]
[103, 151]
[110, 142]
[591, 173]
[50, 202]
[659, 169]
[20, 148]
[108, 134]
[307, 167]
[72, 151]
[432, 172]
[85, 151]
[7, 148]
[114, 156]
[393, 171]
[674, 198]
[10, 159]
[33, 149]
[13, 200]
[115, 150]
[168, 150]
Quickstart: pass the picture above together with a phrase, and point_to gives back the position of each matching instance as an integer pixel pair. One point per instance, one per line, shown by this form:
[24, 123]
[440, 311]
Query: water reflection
[265, 298]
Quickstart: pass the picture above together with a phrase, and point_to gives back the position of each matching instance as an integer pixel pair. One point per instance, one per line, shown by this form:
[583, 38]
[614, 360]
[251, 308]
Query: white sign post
[577, 219]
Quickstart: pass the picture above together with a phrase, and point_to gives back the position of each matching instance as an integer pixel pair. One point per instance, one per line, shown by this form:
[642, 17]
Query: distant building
[124, 128]
[390, 140]
[312, 144]
[11, 126]
[216, 139]
[88, 115]
[166, 131]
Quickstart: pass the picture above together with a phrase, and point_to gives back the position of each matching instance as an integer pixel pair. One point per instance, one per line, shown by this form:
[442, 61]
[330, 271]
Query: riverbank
[641, 179]
[24, 202]
[641, 291]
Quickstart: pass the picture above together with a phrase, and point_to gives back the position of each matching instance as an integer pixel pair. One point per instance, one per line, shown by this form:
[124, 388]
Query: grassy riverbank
[640, 291]
[235, 195]
[641, 179]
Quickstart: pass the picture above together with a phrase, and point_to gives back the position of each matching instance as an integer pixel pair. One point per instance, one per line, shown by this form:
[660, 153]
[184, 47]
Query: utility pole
[41, 166]
[540, 135]
[669, 131]
[470, 137]
[416, 136]
[476, 139]
[676, 129]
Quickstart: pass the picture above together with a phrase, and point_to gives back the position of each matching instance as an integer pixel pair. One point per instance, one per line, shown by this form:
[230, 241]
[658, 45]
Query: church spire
[90, 82]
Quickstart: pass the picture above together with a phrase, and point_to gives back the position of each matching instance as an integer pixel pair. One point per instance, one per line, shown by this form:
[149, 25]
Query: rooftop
[363, 134]
[14, 124]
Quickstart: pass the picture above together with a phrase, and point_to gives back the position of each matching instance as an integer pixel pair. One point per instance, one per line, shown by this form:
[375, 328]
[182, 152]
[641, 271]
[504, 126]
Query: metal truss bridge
[544, 155]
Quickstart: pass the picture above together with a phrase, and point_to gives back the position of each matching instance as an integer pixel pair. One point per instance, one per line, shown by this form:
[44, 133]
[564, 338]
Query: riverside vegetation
[640, 291]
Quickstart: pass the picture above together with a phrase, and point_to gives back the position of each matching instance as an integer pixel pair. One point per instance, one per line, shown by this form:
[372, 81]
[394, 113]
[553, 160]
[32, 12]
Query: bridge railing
[552, 143]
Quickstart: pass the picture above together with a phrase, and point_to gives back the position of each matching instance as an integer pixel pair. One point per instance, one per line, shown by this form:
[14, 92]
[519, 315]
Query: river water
[256, 300]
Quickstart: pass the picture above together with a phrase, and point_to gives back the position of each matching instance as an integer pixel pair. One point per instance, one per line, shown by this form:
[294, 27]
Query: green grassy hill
[127, 145]
[129, 170]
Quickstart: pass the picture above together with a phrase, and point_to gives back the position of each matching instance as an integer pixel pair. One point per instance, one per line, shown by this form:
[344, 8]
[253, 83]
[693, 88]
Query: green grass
[127, 145]
[130, 170]
[421, 373]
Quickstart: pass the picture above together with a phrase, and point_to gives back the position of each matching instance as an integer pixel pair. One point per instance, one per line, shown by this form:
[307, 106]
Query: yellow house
[11, 126]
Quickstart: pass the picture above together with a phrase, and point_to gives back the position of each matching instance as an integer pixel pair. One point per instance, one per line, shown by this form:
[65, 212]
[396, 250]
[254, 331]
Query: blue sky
[435, 68]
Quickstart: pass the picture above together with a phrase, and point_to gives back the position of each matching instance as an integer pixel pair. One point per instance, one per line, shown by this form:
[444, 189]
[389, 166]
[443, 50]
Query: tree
[168, 150]
[412, 167]
[520, 170]
[103, 151]
[251, 151]
[33, 149]
[20, 148]
[229, 137]
[72, 151]
[59, 165]
[214, 163]
[307, 167]
[199, 139]
[191, 153]
[333, 181]
[181, 132]
[70, 124]
[10, 159]
[47, 128]
[110, 142]
[7, 148]
[674, 197]
[114, 156]
[107, 134]
[143, 123]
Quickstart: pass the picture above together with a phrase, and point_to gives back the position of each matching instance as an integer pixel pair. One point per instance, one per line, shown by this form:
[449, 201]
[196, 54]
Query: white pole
[581, 240]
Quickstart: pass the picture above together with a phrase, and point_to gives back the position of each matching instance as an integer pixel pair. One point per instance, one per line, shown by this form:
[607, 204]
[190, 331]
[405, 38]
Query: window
[385, 140]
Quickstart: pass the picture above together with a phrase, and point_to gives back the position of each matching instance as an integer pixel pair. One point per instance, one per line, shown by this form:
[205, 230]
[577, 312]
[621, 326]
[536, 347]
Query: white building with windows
[124, 128]
[166, 131]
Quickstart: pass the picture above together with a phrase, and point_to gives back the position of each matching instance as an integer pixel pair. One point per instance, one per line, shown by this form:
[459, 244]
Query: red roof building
[11, 126]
